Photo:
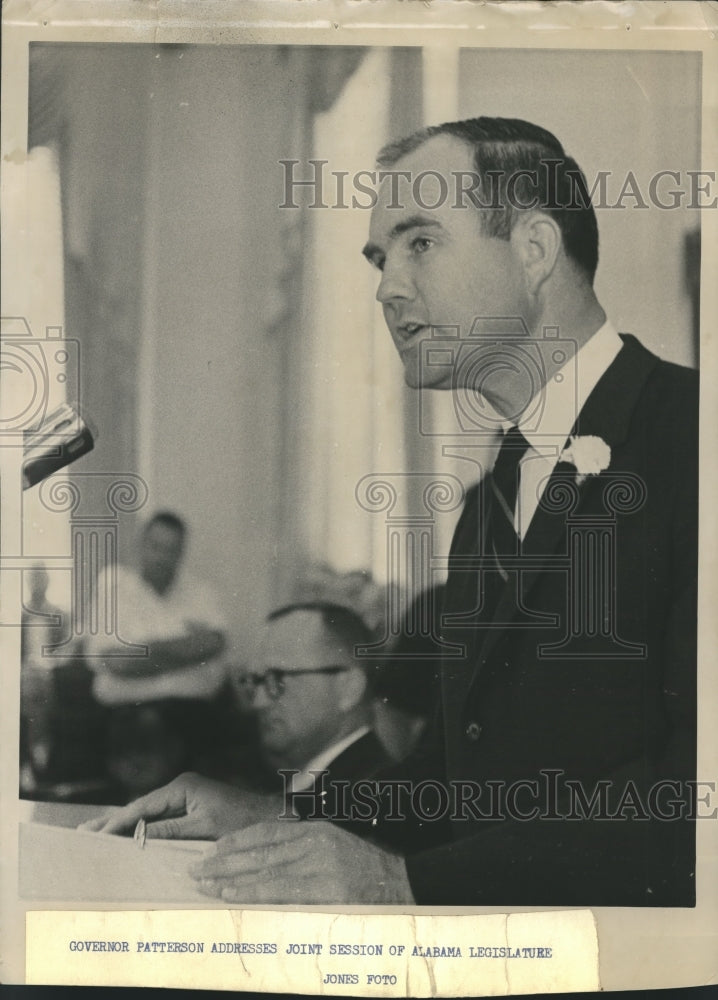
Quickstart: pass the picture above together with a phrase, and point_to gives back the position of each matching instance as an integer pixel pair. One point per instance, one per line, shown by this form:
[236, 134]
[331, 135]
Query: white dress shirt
[563, 399]
[143, 615]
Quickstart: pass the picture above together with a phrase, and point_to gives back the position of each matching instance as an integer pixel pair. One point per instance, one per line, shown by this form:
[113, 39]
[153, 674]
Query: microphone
[63, 437]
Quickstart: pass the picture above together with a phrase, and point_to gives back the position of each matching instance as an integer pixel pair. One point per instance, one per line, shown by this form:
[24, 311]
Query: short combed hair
[504, 148]
[340, 622]
[170, 519]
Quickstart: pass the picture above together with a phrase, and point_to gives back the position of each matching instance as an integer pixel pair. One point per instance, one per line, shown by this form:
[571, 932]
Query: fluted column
[410, 545]
[94, 548]
[591, 584]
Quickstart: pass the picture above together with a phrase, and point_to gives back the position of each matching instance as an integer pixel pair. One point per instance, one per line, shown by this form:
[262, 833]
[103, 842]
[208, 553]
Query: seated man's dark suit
[616, 702]
[363, 759]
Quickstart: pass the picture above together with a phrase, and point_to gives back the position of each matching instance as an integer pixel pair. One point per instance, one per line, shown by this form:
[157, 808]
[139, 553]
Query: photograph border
[622, 938]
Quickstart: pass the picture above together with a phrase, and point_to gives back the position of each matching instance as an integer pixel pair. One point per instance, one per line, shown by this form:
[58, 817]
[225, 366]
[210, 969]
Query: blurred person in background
[44, 626]
[356, 589]
[164, 706]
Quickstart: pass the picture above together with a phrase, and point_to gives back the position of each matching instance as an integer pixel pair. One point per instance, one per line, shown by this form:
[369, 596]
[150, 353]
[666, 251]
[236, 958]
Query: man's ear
[538, 241]
[352, 688]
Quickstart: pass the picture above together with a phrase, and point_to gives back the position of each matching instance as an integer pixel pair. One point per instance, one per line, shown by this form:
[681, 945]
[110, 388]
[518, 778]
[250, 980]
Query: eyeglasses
[273, 681]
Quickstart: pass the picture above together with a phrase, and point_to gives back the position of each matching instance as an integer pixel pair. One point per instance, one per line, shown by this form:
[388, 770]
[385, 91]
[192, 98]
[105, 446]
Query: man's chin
[274, 757]
[273, 738]
[418, 378]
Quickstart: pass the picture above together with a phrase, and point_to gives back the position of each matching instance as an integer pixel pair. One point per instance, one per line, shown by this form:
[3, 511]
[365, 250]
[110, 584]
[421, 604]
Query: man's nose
[396, 283]
[261, 699]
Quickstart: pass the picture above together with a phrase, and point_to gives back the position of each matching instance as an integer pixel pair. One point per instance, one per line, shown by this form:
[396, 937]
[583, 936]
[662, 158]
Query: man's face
[160, 556]
[304, 719]
[437, 267]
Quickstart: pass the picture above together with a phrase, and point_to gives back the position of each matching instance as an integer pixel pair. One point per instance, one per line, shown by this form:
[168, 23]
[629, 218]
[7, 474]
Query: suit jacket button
[473, 732]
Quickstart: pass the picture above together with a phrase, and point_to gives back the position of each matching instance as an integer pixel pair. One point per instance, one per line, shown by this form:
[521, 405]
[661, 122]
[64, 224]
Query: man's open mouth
[407, 332]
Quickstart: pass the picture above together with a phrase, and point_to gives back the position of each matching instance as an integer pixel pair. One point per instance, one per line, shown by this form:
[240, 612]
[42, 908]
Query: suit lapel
[606, 414]
[362, 758]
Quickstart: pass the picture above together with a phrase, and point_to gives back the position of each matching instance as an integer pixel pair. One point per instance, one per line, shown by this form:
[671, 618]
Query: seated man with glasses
[311, 698]
[311, 701]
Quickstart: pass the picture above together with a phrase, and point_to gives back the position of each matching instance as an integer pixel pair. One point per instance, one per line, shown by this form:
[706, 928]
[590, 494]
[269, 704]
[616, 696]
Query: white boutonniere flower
[589, 454]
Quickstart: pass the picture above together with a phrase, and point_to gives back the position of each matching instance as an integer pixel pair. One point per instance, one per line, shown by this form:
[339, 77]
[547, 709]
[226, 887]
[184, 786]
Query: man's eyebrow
[372, 250]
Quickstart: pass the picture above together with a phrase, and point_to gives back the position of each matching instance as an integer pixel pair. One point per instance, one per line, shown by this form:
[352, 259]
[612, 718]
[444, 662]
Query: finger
[246, 892]
[254, 893]
[250, 890]
[241, 894]
[122, 821]
[166, 800]
[215, 889]
[277, 891]
[96, 824]
[211, 887]
[189, 827]
[262, 834]
[257, 861]
[245, 861]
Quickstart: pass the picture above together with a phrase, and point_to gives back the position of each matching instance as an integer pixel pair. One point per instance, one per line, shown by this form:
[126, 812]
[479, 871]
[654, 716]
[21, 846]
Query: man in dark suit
[579, 673]
[570, 606]
[572, 582]
[311, 702]
[565, 741]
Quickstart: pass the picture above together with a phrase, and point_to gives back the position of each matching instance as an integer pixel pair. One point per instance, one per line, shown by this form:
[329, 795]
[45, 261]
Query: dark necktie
[505, 486]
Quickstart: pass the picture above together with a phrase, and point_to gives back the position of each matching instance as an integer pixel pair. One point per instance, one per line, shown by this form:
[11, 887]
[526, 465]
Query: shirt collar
[554, 409]
[304, 779]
